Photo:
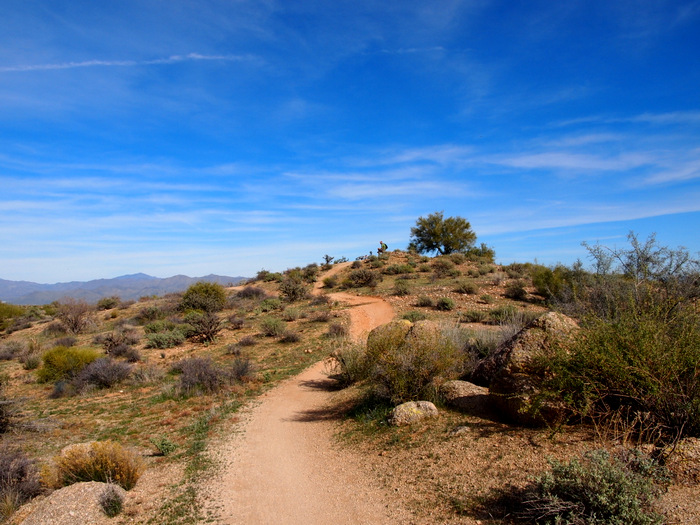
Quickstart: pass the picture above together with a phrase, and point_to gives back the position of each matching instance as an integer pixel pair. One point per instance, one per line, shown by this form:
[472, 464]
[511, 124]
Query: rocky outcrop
[412, 411]
[513, 381]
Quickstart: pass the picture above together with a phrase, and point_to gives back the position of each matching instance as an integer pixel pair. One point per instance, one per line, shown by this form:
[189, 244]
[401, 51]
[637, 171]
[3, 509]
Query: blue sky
[228, 136]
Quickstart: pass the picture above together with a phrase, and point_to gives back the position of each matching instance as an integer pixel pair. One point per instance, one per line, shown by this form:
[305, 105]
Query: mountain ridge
[126, 287]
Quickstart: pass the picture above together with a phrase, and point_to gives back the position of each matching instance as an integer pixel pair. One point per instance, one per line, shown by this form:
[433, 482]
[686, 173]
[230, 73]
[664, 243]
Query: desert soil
[282, 464]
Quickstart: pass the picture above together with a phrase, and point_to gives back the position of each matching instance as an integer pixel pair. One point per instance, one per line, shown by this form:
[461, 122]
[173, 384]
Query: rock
[465, 396]
[412, 411]
[77, 503]
[513, 383]
[386, 333]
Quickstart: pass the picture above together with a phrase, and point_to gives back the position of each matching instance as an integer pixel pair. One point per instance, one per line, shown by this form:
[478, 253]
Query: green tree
[437, 234]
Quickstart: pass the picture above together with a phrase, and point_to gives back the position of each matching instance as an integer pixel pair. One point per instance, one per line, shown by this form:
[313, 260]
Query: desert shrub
[602, 489]
[338, 330]
[63, 388]
[248, 340]
[242, 368]
[414, 316]
[149, 314]
[9, 411]
[362, 277]
[236, 322]
[68, 340]
[102, 373]
[131, 354]
[161, 326]
[443, 266]
[30, 360]
[458, 258]
[107, 303]
[105, 461]
[516, 290]
[293, 287]
[116, 338]
[473, 316]
[498, 278]
[647, 361]
[397, 269]
[148, 374]
[202, 326]
[75, 315]
[12, 350]
[292, 314]
[166, 339]
[350, 364]
[164, 445]
[402, 288]
[485, 268]
[111, 500]
[270, 304]
[331, 281]
[323, 316]
[55, 329]
[19, 480]
[290, 336]
[267, 276]
[199, 374]
[445, 304]
[8, 312]
[356, 264]
[502, 314]
[64, 363]
[487, 299]
[272, 326]
[252, 292]
[466, 287]
[406, 368]
[204, 296]
[425, 301]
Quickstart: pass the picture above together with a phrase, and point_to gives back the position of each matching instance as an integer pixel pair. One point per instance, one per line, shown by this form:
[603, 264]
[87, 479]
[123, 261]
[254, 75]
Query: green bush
[270, 304]
[401, 287]
[502, 314]
[107, 303]
[647, 361]
[516, 290]
[202, 326]
[103, 372]
[166, 339]
[473, 316]
[331, 281]
[294, 287]
[350, 364]
[397, 269]
[164, 445]
[161, 326]
[443, 266]
[425, 301]
[64, 363]
[467, 287]
[204, 296]
[362, 277]
[272, 327]
[405, 367]
[445, 304]
[603, 489]
[414, 316]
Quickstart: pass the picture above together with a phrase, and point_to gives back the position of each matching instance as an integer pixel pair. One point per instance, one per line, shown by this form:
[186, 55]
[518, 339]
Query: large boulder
[513, 381]
[412, 411]
[465, 396]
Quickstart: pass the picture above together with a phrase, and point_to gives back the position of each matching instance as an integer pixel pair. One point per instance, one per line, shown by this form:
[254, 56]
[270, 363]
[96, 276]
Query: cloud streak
[173, 59]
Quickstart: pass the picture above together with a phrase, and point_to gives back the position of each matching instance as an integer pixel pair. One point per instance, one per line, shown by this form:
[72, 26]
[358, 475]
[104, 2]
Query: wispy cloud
[125, 63]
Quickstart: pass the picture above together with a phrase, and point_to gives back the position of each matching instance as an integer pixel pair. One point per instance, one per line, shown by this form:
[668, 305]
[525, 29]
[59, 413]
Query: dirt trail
[283, 466]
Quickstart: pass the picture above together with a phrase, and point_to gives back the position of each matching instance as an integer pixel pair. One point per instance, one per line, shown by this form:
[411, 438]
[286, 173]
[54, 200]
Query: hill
[127, 287]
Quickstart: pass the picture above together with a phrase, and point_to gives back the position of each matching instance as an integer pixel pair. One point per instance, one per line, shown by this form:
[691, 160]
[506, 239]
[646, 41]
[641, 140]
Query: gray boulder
[412, 411]
[465, 396]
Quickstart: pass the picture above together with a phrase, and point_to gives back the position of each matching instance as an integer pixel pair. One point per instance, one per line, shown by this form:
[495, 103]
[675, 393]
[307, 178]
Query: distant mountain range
[126, 287]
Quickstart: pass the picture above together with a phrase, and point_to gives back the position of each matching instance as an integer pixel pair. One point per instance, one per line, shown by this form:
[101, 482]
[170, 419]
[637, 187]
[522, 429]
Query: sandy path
[283, 467]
